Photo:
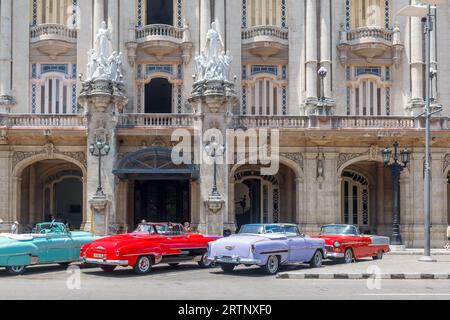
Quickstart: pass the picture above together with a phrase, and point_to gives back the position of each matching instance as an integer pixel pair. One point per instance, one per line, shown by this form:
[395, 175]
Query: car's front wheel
[204, 262]
[143, 265]
[15, 270]
[64, 265]
[316, 261]
[348, 256]
[227, 267]
[272, 265]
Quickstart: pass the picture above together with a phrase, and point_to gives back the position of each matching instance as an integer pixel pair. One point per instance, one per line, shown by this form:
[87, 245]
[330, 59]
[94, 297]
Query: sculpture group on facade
[213, 63]
[102, 64]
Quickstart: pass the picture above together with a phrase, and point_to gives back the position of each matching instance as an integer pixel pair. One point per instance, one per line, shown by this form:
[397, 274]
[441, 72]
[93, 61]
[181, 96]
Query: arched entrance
[257, 198]
[264, 199]
[158, 96]
[154, 188]
[366, 196]
[49, 189]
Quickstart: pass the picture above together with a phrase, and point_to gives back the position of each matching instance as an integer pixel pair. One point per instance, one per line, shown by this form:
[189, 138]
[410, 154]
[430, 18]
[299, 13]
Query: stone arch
[28, 159]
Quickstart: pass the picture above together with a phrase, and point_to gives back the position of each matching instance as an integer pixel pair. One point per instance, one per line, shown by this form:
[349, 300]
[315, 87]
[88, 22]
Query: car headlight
[337, 244]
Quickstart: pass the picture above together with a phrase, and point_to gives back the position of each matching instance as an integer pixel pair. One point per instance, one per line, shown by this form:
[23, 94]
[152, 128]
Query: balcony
[53, 39]
[40, 121]
[138, 122]
[159, 41]
[265, 41]
[370, 44]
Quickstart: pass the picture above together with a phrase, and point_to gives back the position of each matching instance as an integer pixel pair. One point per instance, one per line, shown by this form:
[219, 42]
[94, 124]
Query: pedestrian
[187, 227]
[447, 246]
[15, 227]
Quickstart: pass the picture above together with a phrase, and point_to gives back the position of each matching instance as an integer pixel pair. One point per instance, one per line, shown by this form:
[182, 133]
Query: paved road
[190, 282]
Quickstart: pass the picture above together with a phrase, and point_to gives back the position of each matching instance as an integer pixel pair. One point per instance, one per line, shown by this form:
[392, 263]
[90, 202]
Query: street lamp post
[427, 11]
[99, 149]
[322, 74]
[214, 150]
[396, 165]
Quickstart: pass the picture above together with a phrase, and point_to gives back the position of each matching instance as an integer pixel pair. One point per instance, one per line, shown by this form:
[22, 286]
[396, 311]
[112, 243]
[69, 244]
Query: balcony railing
[265, 31]
[43, 121]
[363, 33]
[279, 122]
[52, 30]
[132, 120]
[159, 30]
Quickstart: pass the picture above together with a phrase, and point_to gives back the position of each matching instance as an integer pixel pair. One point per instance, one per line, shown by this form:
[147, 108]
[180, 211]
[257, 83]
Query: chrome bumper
[234, 260]
[106, 262]
[334, 255]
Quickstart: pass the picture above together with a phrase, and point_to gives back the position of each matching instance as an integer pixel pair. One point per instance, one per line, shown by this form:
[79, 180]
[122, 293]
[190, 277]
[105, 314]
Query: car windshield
[169, 229]
[50, 228]
[339, 229]
[289, 231]
[145, 228]
[251, 229]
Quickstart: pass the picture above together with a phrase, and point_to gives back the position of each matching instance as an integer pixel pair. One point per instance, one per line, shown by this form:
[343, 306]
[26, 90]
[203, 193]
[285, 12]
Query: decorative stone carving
[49, 151]
[297, 157]
[345, 157]
[446, 162]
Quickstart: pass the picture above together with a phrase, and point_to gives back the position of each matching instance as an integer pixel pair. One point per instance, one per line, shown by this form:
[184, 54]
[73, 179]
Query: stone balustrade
[270, 122]
[361, 34]
[52, 30]
[159, 30]
[265, 31]
[42, 121]
[132, 120]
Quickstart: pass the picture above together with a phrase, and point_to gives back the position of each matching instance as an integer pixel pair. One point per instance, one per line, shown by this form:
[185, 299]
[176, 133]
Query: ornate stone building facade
[332, 130]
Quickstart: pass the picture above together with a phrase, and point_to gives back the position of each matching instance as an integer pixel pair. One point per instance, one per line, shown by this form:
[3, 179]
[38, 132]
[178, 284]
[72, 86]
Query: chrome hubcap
[144, 264]
[273, 264]
[205, 260]
[17, 268]
[348, 257]
[318, 259]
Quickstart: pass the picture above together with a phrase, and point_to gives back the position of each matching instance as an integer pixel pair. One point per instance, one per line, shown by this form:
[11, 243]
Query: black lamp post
[396, 165]
[214, 150]
[99, 149]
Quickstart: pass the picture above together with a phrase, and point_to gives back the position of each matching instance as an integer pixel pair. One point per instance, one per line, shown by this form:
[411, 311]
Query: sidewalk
[419, 252]
[392, 266]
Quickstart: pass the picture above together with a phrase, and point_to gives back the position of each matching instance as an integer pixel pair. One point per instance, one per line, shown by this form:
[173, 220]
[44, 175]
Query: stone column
[379, 218]
[300, 203]
[417, 61]
[6, 99]
[296, 18]
[325, 43]
[311, 55]
[32, 196]
[113, 23]
[99, 14]
[205, 21]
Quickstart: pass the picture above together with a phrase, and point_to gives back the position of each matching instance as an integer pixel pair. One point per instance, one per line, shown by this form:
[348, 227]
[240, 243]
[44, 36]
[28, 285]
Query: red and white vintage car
[150, 244]
[346, 243]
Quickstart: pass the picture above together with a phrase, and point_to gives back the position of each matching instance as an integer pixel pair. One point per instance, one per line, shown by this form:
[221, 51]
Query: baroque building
[332, 126]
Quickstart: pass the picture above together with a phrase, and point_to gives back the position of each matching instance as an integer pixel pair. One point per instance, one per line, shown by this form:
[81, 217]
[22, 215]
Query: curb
[364, 276]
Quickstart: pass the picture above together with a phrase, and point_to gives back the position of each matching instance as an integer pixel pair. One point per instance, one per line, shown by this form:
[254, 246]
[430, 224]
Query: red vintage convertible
[345, 242]
[148, 245]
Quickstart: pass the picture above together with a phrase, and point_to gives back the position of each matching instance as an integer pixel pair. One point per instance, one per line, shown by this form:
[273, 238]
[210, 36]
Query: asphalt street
[189, 282]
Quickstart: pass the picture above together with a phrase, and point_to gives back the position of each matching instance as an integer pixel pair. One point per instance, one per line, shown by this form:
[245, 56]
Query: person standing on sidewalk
[447, 246]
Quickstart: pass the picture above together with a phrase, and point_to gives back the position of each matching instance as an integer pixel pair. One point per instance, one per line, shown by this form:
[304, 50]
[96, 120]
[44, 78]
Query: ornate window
[160, 88]
[368, 13]
[62, 12]
[368, 91]
[168, 12]
[355, 204]
[264, 13]
[265, 91]
[53, 89]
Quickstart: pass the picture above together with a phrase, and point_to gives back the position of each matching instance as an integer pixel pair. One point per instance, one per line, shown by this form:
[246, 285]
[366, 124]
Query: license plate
[227, 258]
[99, 256]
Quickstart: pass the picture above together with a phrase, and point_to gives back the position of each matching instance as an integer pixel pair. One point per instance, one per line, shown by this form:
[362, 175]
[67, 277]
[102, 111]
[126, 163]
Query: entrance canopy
[154, 164]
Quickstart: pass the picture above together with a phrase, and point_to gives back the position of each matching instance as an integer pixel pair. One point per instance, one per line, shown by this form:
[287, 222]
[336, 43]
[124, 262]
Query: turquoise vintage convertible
[50, 243]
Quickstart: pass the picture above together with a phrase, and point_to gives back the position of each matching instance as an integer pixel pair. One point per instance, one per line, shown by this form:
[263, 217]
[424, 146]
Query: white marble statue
[214, 42]
[213, 63]
[103, 38]
[101, 64]
[186, 31]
